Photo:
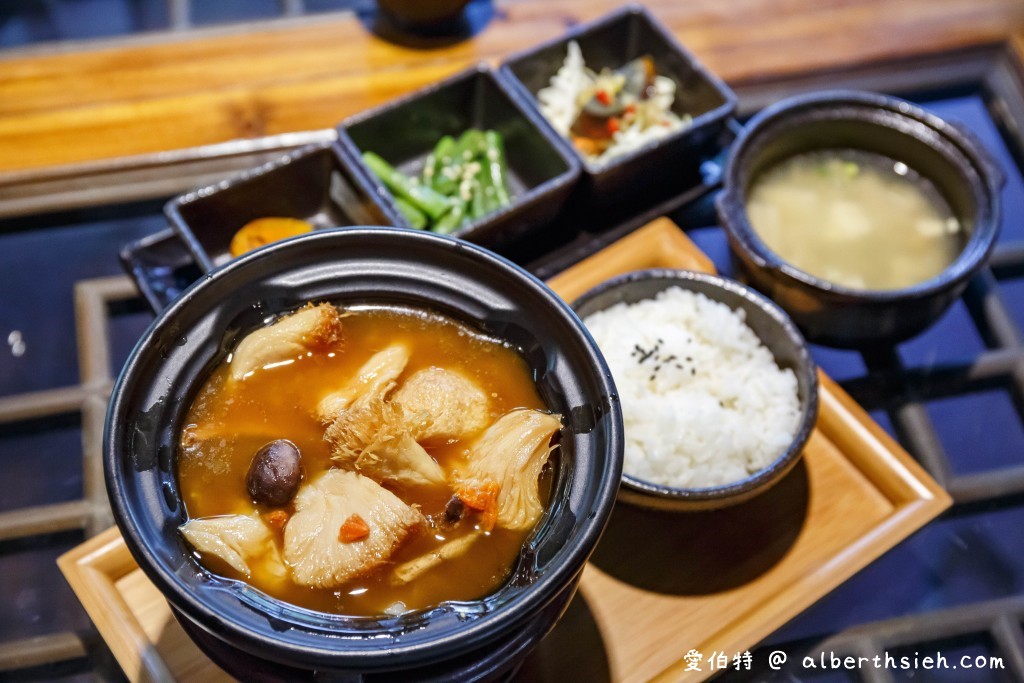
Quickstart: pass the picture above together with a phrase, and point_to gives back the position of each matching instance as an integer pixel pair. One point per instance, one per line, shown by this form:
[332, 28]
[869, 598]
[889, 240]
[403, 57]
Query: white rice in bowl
[703, 402]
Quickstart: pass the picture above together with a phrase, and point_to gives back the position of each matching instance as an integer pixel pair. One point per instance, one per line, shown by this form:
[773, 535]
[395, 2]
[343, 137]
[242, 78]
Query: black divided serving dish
[259, 638]
[161, 267]
[329, 185]
[541, 172]
[309, 183]
[611, 42]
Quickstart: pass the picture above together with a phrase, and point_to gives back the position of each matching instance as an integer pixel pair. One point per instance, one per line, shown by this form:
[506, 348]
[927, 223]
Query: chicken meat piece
[310, 328]
[372, 381]
[373, 439]
[313, 539]
[442, 405]
[236, 539]
[408, 572]
[504, 465]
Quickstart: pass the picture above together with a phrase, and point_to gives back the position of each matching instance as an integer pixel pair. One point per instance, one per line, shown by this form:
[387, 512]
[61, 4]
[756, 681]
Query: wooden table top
[169, 92]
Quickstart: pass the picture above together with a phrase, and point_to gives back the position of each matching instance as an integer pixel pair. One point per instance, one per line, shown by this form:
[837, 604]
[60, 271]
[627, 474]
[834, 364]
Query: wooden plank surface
[172, 93]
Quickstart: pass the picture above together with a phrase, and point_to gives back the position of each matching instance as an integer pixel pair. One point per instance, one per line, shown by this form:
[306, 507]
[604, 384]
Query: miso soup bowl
[949, 156]
[257, 637]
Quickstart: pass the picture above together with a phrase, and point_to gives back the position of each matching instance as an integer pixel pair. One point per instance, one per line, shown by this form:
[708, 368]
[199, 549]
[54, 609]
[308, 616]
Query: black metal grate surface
[67, 333]
[953, 397]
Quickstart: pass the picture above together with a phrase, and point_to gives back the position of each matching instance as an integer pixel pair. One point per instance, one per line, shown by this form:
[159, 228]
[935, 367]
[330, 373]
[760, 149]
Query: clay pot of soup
[367, 451]
[861, 215]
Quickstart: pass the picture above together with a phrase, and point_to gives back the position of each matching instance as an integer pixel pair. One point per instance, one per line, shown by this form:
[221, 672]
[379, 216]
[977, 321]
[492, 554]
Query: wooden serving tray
[659, 584]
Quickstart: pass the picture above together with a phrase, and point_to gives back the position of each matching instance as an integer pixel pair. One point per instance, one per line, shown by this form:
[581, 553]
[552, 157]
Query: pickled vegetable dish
[610, 113]
[366, 461]
[461, 181]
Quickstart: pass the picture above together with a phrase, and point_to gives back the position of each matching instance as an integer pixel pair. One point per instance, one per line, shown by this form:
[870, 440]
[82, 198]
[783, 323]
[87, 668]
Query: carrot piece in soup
[353, 529]
[277, 519]
[483, 499]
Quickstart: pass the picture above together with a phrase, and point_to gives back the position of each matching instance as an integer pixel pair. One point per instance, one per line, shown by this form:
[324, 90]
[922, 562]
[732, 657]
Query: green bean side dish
[462, 180]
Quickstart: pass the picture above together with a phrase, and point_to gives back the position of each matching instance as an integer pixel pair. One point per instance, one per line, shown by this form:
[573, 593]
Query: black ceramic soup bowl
[779, 336]
[941, 152]
[237, 623]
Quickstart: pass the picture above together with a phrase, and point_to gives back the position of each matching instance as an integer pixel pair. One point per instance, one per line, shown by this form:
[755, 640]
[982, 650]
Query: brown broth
[225, 428]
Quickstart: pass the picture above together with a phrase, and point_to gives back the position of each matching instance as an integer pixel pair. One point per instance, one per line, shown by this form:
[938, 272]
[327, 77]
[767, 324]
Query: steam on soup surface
[855, 218]
[365, 461]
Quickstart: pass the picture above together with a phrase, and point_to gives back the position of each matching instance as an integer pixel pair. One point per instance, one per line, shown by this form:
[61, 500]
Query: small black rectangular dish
[611, 42]
[541, 171]
[310, 183]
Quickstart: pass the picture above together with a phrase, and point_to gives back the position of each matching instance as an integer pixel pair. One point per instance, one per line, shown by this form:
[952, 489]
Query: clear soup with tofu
[366, 461]
[855, 218]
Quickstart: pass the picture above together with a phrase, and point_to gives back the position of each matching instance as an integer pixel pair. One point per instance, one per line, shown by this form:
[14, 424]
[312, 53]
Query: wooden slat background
[172, 93]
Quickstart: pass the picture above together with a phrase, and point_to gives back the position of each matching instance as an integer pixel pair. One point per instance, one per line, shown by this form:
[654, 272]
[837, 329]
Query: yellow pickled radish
[261, 231]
